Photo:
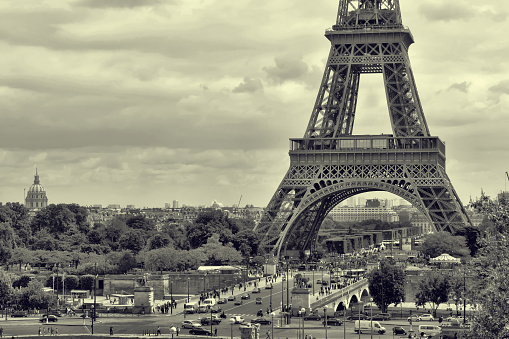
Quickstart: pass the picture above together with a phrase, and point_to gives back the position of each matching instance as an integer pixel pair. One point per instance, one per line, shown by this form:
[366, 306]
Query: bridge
[342, 299]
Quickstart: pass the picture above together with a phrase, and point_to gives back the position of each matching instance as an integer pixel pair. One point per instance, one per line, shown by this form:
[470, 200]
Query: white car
[236, 319]
[190, 324]
[426, 317]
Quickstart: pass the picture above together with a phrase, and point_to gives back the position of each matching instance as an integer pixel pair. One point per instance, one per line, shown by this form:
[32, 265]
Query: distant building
[358, 213]
[175, 204]
[36, 196]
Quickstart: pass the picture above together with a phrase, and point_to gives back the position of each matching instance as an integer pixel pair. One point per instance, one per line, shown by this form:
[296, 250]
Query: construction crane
[238, 205]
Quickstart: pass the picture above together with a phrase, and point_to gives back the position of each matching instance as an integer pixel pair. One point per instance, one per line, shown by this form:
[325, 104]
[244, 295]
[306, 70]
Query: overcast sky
[148, 101]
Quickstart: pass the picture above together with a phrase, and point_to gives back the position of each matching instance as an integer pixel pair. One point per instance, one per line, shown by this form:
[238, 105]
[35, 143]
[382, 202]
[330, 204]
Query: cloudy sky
[148, 101]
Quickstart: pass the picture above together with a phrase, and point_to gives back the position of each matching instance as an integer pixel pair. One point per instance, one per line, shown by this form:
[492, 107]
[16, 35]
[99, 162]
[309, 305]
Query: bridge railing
[339, 294]
[366, 143]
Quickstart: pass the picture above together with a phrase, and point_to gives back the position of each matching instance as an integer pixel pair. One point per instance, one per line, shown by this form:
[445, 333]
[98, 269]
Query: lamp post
[231, 321]
[302, 312]
[270, 302]
[188, 290]
[371, 317]
[272, 333]
[325, 321]
[95, 283]
[171, 297]
[313, 282]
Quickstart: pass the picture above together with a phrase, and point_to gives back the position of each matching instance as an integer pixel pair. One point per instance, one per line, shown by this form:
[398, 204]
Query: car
[313, 317]
[245, 296]
[357, 317]
[258, 300]
[398, 330]
[333, 322]
[216, 309]
[413, 318]
[318, 282]
[50, 318]
[231, 298]
[90, 315]
[268, 287]
[200, 331]
[381, 316]
[222, 301]
[426, 317]
[257, 290]
[237, 319]
[238, 302]
[190, 324]
[261, 321]
[19, 314]
[206, 321]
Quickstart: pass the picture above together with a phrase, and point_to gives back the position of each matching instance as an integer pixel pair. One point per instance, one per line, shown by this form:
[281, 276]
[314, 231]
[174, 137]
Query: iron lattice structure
[329, 164]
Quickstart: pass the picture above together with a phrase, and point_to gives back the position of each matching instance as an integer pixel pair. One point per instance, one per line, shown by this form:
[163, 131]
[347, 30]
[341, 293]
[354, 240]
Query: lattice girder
[329, 164]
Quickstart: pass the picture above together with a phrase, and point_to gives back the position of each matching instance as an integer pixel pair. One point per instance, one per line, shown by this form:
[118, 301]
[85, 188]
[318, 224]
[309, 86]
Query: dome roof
[36, 187]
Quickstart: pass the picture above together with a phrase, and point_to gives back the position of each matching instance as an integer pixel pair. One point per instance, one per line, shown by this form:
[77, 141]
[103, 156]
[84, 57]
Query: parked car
[426, 317]
[398, 330]
[238, 302]
[333, 322]
[19, 314]
[313, 317]
[413, 318]
[268, 287]
[216, 309]
[222, 301]
[357, 317]
[381, 316]
[231, 298]
[190, 324]
[245, 296]
[257, 290]
[258, 300]
[261, 321]
[200, 331]
[51, 318]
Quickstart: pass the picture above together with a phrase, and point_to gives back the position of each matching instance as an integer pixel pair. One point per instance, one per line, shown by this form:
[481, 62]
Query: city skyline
[118, 103]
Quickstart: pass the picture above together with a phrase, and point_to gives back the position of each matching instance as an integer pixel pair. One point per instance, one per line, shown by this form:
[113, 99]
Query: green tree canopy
[387, 285]
[434, 288]
[437, 243]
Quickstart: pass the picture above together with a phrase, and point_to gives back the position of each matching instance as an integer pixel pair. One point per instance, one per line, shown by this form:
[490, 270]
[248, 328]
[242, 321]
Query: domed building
[36, 196]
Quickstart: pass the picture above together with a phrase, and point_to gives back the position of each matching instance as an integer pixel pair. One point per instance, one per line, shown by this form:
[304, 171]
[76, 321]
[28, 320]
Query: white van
[369, 326]
[429, 330]
[190, 308]
[209, 302]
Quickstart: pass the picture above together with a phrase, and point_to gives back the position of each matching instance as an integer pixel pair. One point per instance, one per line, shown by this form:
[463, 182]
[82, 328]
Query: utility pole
[95, 282]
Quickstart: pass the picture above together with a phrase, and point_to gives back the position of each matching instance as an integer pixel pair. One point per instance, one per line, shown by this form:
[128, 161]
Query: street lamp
[270, 303]
[188, 290]
[371, 317]
[302, 312]
[325, 321]
[272, 314]
[231, 321]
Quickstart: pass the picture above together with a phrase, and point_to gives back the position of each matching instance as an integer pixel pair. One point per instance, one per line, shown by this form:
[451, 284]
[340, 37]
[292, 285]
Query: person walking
[1, 332]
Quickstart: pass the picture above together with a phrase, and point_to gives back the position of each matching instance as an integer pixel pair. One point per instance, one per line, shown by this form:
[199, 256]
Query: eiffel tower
[330, 164]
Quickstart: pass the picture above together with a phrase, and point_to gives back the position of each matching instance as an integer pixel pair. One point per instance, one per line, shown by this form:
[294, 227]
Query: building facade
[36, 196]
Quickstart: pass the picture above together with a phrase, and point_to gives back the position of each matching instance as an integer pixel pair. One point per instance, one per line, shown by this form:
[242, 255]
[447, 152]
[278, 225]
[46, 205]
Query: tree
[127, 262]
[444, 242]
[87, 282]
[488, 271]
[132, 240]
[158, 240]
[6, 290]
[387, 285]
[434, 288]
[6, 242]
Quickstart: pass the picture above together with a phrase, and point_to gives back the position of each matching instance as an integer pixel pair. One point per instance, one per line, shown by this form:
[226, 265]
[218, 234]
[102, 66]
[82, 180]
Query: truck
[190, 308]
[369, 326]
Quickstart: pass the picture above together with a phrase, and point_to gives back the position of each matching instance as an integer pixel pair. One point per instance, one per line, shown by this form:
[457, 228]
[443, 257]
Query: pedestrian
[178, 331]
[158, 330]
[111, 330]
[215, 332]
[1, 332]
[56, 330]
[39, 331]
